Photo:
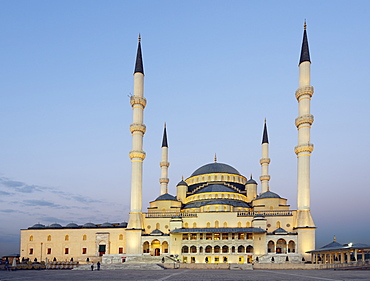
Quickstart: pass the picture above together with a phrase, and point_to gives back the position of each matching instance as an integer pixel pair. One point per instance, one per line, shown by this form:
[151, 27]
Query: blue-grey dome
[156, 232]
[166, 196]
[201, 203]
[215, 168]
[251, 181]
[89, 224]
[216, 188]
[268, 194]
[280, 230]
[182, 182]
[37, 225]
[72, 225]
[123, 224]
[106, 224]
[55, 225]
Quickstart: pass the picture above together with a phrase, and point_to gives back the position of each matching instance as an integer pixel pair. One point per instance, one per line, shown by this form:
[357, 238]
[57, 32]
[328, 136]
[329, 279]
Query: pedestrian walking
[98, 265]
[92, 265]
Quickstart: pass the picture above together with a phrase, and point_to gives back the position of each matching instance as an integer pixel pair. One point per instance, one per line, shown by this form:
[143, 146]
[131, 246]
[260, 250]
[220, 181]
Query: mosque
[217, 215]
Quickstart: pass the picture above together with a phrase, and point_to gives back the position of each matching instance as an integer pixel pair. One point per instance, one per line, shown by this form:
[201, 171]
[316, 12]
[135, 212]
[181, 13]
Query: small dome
[280, 231]
[106, 224]
[166, 196]
[268, 194]
[89, 224]
[251, 181]
[215, 168]
[216, 188]
[123, 224]
[182, 182]
[37, 225]
[72, 225]
[55, 225]
[156, 232]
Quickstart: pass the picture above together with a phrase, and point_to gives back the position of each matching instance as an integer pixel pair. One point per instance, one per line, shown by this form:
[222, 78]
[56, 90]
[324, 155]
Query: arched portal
[291, 247]
[281, 246]
[271, 247]
[146, 247]
[165, 247]
[155, 248]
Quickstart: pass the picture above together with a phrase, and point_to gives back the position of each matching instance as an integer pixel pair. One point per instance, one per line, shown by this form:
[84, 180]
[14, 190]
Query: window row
[217, 236]
[66, 237]
[281, 247]
[67, 251]
[217, 259]
[217, 249]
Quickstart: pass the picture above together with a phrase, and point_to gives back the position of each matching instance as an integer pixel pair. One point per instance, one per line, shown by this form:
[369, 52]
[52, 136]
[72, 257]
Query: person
[163, 260]
[92, 265]
[98, 265]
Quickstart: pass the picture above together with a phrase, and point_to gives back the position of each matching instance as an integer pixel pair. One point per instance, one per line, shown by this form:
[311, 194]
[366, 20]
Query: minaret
[164, 163]
[265, 161]
[137, 156]
[305, 225]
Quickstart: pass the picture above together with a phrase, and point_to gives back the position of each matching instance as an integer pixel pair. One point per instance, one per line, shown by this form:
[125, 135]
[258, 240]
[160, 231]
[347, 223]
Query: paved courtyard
[184, 274]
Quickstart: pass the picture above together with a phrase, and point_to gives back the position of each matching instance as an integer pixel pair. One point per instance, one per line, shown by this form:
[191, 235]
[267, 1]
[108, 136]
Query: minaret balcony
[135, 127]
[265, 178]
[304, 119]
[265, 161]
[137, 154]
[164, 164]
[304, 91]
[164, 180]
[308, 147]
[138, 100]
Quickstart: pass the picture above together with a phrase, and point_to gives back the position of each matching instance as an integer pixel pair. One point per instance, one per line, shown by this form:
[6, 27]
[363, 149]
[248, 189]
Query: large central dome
[215, 168]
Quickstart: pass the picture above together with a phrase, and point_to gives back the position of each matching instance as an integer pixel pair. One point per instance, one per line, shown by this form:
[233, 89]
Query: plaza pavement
[183, 274]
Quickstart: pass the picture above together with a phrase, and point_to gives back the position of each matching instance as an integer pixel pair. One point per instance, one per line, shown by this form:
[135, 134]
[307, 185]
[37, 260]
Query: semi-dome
[216, 188]
[268, 194]
[106, 224]
[167, 197]
[72, 225]
[89, 224]
[215, 168]
[123, 224]
[37, 225]
[55, 225]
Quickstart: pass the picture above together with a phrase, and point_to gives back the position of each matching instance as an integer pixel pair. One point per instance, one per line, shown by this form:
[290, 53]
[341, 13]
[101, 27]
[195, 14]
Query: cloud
[42, 203]
[84, 199]
[9, 211]
[4, 193]
[54, 220]
[19, 186]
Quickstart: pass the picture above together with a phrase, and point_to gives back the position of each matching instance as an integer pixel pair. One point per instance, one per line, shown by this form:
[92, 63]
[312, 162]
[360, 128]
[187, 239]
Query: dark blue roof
[201, 203]
[280, 230]
[332, 245]
[268, 194]
[55, 225]
[215, 168]
[72, 225]
[156, 232]
[216, 188]
[37, 225]
[106, 224]
[166, 196]
[251, 181]
[89, 224]
[182, 182]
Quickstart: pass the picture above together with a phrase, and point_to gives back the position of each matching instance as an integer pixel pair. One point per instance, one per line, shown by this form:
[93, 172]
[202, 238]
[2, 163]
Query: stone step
[123, 266]
[241, 266]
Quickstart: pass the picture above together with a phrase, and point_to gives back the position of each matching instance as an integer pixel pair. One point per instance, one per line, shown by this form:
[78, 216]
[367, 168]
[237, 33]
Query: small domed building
[218, 215]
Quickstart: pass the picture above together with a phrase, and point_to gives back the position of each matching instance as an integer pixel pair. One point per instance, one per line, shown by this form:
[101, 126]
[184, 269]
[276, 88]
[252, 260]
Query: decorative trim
[265, 178]
[305, 91]
[164, 164]
[304, 119]
[265, 161]
[138, 100]
[137, 127]
[308, 147]
[137, 154]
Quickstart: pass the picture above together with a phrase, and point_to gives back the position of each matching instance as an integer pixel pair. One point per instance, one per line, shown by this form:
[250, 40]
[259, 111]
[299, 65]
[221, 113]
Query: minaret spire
[265, 161]
[305, 226]
[137, 156]
[164, 164]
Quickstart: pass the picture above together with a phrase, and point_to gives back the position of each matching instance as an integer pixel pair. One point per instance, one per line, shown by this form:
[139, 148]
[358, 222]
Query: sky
[214, 70]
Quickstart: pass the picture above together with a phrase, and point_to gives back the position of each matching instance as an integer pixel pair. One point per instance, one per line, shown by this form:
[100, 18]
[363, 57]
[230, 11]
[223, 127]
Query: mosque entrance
[102, 250]
[157, 252]
[155, 248]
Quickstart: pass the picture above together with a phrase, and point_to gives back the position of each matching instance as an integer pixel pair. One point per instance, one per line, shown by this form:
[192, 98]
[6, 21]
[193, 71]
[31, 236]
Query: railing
[170, 215]
[264, 213]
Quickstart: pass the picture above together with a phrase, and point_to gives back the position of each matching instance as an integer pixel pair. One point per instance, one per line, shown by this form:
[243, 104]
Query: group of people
[97, 265]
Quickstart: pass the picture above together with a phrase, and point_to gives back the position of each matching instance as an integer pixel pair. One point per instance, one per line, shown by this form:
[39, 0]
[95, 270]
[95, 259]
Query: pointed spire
[335, 238]
[164, 140]
[305, 52]
[215, 159]
[265, 138]
[139, 58]
[251, 176]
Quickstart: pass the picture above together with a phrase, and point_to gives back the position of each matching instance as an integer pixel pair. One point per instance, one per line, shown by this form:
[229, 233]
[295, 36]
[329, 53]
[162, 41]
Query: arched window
[157, 226]
[194, 224]
[84, 237]
[225, 224]
[208, 249]
[217, 224]
[31, 237]
[49, 238]
[185, 225]
[291, 247]
[146, 247]
[216, 249]
[278, 224]
[165, 247]
[208, 224]
[241, 249]
[193, 249]
[239, 224]
[248, 224]
[66, 238]
[200, 249]
[225, 249]
[271, 208]
[271, 247]
[249, 249]
[233, 249]
[120, 237]
[185, 249]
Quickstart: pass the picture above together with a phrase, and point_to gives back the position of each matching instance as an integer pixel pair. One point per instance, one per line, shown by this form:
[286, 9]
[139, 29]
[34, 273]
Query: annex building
[216, 216]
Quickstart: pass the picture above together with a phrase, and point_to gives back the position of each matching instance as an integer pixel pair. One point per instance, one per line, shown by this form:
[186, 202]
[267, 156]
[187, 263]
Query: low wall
[196, 265]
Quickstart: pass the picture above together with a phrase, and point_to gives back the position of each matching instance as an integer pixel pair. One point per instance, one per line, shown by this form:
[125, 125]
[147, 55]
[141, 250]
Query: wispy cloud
[4, 193]
[43, 203]
[19, 186]
[9, 211]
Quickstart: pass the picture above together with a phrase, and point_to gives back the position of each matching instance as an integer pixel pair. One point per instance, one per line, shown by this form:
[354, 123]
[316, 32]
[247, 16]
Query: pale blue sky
[214, 71]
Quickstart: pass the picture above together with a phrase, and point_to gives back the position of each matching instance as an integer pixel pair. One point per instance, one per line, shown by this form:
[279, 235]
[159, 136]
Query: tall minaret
[265, 161]
[137, 156]
[164, 163]
[305, 225]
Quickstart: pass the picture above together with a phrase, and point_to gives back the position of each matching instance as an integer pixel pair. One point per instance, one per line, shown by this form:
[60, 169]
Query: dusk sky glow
[214, 70]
